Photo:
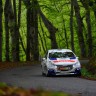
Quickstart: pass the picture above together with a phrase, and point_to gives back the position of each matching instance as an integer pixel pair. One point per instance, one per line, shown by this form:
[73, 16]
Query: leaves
[57, 12]
[15, 91]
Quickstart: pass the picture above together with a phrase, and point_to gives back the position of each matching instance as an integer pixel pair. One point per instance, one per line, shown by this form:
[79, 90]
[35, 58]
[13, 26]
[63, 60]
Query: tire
[43, 74]
[47, 73]
[79, 74]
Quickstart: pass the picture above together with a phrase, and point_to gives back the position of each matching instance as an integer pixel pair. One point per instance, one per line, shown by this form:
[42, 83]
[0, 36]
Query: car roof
[59, 50]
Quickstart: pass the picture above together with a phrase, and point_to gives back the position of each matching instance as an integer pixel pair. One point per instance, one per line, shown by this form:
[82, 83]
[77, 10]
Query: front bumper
[76, 71]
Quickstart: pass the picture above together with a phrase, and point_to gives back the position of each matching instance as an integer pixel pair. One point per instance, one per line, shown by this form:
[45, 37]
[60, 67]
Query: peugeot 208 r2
[60, 62]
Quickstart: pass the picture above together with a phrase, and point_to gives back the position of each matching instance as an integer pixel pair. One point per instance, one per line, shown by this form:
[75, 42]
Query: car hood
[59, 61]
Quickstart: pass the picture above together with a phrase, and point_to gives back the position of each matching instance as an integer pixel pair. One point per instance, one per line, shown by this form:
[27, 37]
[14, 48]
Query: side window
[70, 54]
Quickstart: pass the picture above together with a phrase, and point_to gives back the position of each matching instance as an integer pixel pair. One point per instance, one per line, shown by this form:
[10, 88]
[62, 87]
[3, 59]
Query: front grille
[64, 68]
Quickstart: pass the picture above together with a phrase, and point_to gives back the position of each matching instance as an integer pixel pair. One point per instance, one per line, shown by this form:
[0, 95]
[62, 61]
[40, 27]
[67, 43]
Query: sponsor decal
[56, 61]
[72, 57]
[52, 58]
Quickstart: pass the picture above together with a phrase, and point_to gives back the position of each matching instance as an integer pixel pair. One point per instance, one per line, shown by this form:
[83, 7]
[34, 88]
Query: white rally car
[60, 62]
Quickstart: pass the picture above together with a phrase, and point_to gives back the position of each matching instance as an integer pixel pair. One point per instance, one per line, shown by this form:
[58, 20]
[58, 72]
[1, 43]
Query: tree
[80, 29]
[92, 4]
[16, 32]
[71, 27]
[12, 25]
[59, 10]
[32, 52]
[1, 30]
[42, 38]
[88, 22]
[13, 29]
[52, 30]
[6, 14]
[28, 18]
[34, 31]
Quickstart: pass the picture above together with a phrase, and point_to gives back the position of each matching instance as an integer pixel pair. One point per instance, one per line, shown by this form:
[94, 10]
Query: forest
[28, 28]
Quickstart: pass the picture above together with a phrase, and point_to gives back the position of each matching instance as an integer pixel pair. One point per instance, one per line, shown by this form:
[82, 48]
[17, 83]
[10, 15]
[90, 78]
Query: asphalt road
[30, 77]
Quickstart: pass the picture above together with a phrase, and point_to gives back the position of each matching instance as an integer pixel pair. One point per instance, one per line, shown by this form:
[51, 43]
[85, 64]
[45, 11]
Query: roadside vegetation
[6, 90]
[89, 70]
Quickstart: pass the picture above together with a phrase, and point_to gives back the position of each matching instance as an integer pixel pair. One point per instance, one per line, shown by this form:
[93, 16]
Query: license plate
[64, 68]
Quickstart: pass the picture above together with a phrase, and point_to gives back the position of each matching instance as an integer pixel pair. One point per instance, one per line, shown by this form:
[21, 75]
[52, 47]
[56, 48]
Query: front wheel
[46, 72]
[79, 74]
[43, 74]
[42, 68]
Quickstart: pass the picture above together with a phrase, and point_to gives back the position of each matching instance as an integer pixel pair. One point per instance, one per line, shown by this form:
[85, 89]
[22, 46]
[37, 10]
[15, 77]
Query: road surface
[30, 77]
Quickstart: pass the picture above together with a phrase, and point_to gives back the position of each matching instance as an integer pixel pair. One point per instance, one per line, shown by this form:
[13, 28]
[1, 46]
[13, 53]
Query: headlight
[51, 64]
[77, 64]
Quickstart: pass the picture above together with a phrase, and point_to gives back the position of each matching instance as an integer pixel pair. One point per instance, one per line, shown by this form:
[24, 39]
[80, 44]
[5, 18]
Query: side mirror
[77, 57]
[43, 59]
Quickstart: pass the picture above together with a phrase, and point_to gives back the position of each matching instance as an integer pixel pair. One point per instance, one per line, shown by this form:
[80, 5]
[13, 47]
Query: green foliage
[89, 70]
[58, 12]
[16, 91]
[91, 67]
[2, 84]
[88, 74]
[85, 72]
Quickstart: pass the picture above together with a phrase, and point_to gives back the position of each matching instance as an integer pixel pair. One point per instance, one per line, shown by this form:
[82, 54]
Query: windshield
[61, 55]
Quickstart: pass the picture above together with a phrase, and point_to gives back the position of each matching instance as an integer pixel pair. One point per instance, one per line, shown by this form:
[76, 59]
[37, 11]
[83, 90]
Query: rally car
[60, 62]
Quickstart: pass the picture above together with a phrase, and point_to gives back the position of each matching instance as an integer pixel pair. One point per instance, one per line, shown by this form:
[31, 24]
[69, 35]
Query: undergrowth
[89, 70]
[6, 90]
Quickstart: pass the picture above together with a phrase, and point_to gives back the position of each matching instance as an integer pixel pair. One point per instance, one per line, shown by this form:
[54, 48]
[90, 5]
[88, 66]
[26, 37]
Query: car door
[44, 62]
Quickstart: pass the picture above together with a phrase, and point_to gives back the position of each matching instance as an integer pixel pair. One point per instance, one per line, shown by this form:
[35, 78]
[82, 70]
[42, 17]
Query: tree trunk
[16, 32]
[1, 30]
[11, 25]
[19, 14]
[52, 30]
[90, 46]
[71, 27]
[32, 52]
[88, 21]
[80, 29]
[43, 40]
[65, 33]
[28, 30]
[6, 14]
[34, 31]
